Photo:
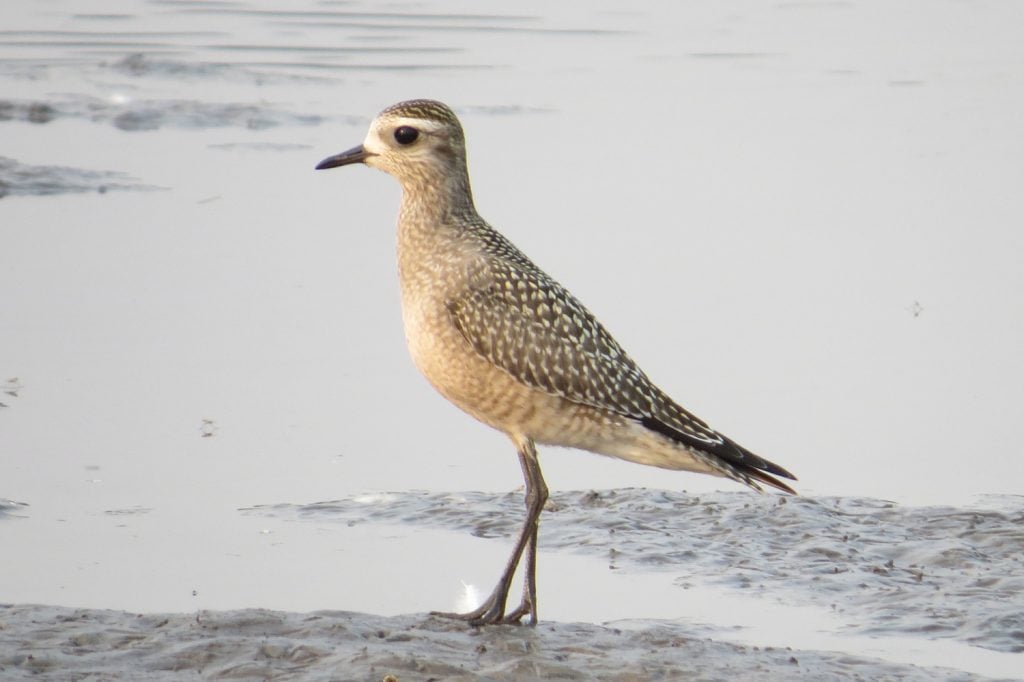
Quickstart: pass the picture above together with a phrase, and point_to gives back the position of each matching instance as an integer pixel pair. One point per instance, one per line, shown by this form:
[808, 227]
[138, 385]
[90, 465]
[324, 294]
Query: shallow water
[801, 218]
[885, 569]
[850, 574]
[856, 179]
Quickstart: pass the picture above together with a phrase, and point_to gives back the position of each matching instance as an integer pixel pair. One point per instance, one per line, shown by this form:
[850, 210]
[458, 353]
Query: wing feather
[526, 323]
[530, 326]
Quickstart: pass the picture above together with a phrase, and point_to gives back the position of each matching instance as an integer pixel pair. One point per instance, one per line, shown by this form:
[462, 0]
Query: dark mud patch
[10, 509]
[154, 114]
[934, 572]
[56, 643]
[22, 179]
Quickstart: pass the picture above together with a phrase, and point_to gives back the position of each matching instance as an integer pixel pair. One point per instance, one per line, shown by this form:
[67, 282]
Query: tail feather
[769, 480]
[735, 459]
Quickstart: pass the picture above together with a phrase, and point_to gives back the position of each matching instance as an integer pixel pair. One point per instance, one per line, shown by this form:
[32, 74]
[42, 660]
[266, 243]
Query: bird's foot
[488, 614]
[524, 609]
[493, 613]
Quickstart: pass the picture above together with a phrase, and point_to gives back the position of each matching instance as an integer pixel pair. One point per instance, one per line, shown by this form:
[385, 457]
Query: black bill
[354, 155]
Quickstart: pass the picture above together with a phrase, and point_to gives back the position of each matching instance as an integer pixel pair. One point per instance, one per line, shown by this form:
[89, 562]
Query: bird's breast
[429, 279]
[448, 361]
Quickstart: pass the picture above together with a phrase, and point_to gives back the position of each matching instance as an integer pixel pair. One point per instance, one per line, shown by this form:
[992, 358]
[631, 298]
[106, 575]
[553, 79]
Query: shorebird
[510, 346]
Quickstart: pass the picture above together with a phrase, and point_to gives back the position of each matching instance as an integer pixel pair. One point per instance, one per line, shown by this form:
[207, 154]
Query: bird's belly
[494, 397]
[467, 379]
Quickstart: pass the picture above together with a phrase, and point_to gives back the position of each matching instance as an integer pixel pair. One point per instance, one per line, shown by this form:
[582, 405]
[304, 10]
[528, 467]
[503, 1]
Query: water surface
[802, 219]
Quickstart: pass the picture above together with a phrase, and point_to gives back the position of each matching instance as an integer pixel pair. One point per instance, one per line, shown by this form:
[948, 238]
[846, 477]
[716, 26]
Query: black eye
[406, 134]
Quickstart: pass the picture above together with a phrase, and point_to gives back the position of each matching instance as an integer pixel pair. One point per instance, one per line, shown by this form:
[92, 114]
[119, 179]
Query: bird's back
[497, 317]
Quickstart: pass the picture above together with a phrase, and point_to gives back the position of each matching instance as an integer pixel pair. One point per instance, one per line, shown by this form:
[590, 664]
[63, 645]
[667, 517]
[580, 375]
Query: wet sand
[937, 572]
[901, 593]
[54, 643]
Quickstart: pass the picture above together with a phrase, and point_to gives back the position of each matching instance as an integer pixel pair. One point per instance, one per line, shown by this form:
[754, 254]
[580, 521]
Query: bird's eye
[406, 135]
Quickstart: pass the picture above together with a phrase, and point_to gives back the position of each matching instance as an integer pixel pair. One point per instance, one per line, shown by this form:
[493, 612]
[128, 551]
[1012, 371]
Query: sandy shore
[58, 643]
[914, 593]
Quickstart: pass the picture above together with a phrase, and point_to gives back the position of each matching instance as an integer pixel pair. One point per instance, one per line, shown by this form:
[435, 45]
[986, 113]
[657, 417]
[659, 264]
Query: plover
[512, 347]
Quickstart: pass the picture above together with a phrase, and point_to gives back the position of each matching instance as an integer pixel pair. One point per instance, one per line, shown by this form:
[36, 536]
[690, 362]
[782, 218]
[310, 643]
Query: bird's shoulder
[525, 322]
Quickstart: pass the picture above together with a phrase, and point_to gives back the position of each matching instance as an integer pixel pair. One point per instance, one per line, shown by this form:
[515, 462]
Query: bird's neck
[433, 200]
[433, 222]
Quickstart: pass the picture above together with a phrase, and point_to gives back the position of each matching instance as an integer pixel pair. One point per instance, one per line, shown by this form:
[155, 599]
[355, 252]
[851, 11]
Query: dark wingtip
[759, 462]
[742, 461]
[757, 467]
[762, 477]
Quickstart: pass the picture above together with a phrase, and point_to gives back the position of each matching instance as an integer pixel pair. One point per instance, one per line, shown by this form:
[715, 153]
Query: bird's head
[417, 140]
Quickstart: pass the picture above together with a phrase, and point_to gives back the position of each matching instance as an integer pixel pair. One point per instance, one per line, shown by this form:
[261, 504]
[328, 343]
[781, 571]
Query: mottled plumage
[512, 347]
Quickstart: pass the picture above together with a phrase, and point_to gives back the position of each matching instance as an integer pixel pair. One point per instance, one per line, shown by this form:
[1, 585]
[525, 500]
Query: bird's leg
[536, 497]
[492, 611]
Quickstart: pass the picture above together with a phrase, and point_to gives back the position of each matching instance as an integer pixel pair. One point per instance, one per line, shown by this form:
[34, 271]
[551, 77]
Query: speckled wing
[527, 324]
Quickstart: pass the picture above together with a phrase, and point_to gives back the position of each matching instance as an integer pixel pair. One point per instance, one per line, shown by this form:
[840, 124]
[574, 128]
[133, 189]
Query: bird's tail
[731, 458]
